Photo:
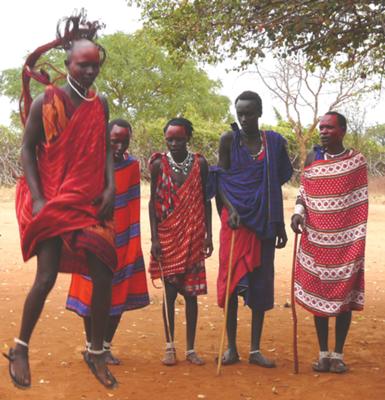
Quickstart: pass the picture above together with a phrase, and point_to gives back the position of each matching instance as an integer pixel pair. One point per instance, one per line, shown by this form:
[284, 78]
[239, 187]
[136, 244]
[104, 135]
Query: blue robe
[254, 189]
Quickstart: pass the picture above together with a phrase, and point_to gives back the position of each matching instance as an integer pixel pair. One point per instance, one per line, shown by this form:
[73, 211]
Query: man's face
[120, 140]
[331, 133]
[83, 63]
[176, 140]
[247, 114]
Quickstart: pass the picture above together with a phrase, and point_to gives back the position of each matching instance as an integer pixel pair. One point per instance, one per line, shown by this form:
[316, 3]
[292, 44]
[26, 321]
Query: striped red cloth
[182, 231]
[74, 145]
[329, 273]
[129, 286]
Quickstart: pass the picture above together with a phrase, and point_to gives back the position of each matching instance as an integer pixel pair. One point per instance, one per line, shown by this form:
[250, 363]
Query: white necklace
[328, 155]
[255, 156]
[69, 78]
[182, 167]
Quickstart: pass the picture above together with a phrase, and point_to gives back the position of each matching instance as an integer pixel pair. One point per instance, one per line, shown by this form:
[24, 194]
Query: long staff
[229, 271]
[165, 305]
[293, 310]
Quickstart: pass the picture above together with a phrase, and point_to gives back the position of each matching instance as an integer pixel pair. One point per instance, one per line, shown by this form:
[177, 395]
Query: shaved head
[80, 45]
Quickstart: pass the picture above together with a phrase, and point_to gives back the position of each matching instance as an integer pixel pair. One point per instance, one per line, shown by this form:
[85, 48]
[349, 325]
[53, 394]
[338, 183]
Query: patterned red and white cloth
[329, 273]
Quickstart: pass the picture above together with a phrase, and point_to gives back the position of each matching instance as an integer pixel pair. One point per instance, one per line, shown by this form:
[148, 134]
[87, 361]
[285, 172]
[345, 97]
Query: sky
[27, 24]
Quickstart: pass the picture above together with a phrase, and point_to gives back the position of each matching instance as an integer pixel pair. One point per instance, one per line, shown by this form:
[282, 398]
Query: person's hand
[234, 219]
[208, 247]
[106, 204]
[281, 237]
[37, 205]
[297, 223]
[156, 250]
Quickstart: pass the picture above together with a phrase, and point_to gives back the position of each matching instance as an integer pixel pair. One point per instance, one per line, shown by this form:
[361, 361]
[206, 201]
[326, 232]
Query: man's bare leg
[87, 328]
[322, 328]
[101, 277]
[342, 328]
[343, 321]
[113, 323]
[257, 319]
[48, 257]
[322, 364]
[256, 357]
[191, 312]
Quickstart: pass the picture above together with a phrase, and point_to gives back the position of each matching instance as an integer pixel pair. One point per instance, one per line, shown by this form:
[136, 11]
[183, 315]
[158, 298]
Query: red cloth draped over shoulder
[182, 232]
[71, 167]
[246, 256]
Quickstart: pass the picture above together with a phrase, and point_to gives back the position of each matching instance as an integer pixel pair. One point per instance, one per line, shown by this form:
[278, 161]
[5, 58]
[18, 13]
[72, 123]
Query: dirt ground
[58, 371]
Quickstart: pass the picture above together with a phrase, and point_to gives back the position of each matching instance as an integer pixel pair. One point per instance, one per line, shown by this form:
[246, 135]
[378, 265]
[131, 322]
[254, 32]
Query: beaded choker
[255, 156]
[331, 156]
[182, 167]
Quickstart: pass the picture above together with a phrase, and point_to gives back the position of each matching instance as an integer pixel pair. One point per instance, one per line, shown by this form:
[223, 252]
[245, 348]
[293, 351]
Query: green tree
[143, 82]
[218, 29]
[376, 133]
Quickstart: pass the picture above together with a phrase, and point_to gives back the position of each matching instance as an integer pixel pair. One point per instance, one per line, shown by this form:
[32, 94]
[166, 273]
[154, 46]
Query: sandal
[229, 357]
[322, 365]
[338, 366]
[11, 358]
[257, 358]
[87, 355]
[109, 357]
[169, 357]
[192, 357]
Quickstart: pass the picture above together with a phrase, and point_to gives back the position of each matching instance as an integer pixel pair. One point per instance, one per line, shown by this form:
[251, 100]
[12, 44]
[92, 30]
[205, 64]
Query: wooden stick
[229, 271]
[165, 305]
[293, 310]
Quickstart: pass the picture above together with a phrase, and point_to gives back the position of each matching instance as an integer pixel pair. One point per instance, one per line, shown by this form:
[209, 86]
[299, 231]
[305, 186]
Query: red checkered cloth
[181, 215]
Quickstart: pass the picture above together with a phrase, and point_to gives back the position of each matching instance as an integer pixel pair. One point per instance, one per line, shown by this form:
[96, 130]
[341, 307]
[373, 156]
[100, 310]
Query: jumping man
[65, 201]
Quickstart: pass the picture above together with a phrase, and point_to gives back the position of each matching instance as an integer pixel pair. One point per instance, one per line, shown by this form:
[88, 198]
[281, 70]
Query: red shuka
[71, 167]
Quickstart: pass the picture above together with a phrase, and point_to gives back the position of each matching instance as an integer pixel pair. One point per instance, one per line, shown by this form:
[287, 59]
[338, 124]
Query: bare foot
[98, 366]
[19, 366]
[111, 359]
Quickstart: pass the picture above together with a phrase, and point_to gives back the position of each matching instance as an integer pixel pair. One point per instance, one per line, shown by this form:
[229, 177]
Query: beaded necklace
[182, 167]
[331, 156]
[69, 78]
[256, 155]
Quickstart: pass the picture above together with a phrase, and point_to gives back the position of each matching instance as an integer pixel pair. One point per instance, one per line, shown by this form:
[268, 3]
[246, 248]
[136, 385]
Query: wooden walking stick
[294, 314]
[165, 305]
[229, 271]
